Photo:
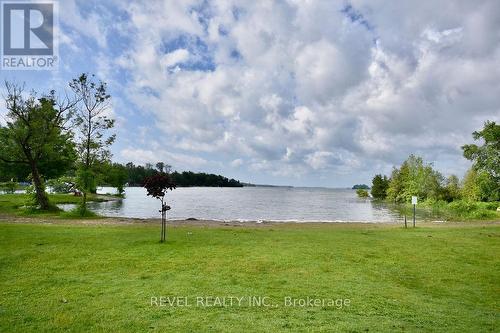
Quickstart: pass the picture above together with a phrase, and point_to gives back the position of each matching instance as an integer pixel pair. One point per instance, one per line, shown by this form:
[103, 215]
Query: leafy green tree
[470, 187]
[8, 187]
[362, 193]
[8, 172]
[116, 176]
[380, 184]
[91, 123]
[486, 160]
[395, 188]
[163, 167]
[488, 187]
[479, 186]
[137, 174]
[35, 137]
[414, 178]
[452, 190]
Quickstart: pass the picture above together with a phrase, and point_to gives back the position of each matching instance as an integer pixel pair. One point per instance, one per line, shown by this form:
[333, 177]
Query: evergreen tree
[380, 185]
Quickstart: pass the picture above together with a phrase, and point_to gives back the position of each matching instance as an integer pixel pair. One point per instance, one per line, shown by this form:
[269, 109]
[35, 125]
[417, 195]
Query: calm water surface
[250, 204]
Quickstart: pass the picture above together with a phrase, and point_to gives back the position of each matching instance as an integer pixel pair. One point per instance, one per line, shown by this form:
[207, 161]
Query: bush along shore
[459, 210]
[475, 197]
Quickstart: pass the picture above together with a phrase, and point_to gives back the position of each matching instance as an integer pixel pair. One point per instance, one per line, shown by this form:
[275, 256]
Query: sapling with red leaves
[157, 186]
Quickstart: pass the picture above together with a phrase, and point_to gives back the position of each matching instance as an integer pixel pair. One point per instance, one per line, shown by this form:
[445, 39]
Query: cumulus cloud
[237, 163]
[90, 25]
[296, 88]
[173, 58]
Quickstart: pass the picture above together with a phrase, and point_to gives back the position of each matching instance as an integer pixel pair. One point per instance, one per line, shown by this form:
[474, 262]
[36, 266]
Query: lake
[249, 204]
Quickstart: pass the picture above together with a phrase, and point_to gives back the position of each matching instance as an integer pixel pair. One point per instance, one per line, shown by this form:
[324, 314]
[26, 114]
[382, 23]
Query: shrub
[8, 187]
[379, 187]
[473, 210]
[362, 193]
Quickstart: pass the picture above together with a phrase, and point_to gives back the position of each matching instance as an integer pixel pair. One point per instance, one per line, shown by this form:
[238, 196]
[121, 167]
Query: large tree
[414, 178]
[486, 159]
[92, 123]
[35, 137]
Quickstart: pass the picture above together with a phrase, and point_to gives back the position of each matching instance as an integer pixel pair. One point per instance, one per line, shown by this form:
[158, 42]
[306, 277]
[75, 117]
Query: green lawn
[78, 277]
[14, 204]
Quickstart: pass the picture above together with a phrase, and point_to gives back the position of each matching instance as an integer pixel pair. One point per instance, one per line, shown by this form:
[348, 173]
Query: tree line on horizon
[137, 173]
[119, 176]
[416, 178]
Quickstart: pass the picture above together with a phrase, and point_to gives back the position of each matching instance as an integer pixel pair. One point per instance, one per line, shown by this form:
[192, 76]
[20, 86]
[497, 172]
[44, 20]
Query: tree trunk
[84, 202]
[87, 163]
[41, 197]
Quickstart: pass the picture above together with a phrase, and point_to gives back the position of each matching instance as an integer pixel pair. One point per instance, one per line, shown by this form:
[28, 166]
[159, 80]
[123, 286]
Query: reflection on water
[15, 192]
[250, 204]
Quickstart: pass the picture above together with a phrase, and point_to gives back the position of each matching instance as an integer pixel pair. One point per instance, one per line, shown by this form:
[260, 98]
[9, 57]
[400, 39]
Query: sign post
[414, 200]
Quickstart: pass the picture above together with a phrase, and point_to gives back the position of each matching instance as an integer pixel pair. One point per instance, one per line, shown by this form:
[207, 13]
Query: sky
[297, 92]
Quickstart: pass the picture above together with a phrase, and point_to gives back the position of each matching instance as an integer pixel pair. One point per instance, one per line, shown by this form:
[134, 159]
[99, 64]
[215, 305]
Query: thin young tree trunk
[87, 161]
[84, 203]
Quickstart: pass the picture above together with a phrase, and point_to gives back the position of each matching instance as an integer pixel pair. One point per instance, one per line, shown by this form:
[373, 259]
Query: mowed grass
[102, 277]
[15, 204]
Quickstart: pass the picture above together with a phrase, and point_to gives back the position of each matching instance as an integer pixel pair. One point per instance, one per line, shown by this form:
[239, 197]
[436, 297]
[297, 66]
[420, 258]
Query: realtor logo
[28, 35]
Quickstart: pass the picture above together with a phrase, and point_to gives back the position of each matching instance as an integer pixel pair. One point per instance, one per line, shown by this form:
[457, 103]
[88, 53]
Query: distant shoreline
[252, 185]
